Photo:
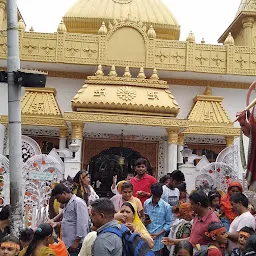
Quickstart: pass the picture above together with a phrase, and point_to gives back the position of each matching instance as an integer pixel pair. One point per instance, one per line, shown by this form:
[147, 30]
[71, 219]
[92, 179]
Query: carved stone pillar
[2, 12]
[248, 25]
[172, 135]
[180, 147]
[63, 138]
[229, 141]
[77, 137]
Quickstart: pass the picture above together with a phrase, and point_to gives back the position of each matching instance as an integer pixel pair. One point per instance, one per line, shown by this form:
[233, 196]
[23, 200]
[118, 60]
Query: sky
[207, 19]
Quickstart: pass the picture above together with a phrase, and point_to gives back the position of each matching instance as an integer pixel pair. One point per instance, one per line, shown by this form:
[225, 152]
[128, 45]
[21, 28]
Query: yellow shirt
[43, 251]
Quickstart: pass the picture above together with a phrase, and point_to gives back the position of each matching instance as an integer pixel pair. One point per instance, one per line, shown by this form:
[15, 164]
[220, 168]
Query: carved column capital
[77, 130]
[229, 141]
[2, 5]
[63, 133]
[172, 135]
[248, 22]
[181, 139]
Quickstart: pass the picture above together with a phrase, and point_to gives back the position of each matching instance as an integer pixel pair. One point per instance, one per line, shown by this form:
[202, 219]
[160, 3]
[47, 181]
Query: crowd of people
[144, 216]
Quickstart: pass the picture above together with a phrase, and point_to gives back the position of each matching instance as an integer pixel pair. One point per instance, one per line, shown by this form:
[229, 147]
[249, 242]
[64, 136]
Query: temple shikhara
[121, 85]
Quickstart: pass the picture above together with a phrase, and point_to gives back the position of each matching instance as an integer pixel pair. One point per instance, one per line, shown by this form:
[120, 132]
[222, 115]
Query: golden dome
[86, 16]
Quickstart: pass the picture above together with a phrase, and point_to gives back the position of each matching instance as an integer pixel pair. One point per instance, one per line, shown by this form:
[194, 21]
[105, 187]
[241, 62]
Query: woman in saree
[227, 213]
[128, 216]
[82, 187]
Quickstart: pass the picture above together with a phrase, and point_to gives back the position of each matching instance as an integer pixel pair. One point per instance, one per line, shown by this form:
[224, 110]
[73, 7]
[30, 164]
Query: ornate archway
[105, 165]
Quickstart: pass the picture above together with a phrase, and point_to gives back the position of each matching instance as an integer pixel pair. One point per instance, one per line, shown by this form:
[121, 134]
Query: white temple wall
[234, 99]
[66, 89]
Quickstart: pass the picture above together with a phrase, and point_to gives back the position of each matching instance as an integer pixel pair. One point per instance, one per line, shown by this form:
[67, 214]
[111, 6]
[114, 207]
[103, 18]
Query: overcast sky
[206, 18]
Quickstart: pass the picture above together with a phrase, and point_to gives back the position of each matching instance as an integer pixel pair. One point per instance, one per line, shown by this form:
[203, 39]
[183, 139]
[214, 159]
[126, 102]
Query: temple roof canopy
[86, 16]
[209, 109]
[112, 94]
[208, 116]
[39, 107]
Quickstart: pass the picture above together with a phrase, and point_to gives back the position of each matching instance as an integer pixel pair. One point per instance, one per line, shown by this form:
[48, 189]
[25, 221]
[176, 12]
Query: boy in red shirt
[142, 181]
[218, 237]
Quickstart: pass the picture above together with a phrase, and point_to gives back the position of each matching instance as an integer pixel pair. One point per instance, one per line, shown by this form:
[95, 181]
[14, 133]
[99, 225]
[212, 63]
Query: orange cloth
[225, 201]
[59, 248]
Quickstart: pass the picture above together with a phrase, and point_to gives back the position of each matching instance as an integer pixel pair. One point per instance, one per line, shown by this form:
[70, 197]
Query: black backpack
[133, 244]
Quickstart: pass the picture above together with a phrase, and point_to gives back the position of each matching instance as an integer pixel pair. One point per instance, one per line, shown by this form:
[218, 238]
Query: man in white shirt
[239, 204]
[171, 193]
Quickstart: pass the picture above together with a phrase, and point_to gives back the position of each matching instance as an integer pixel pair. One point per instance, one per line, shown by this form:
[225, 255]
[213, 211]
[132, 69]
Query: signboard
[40, 175]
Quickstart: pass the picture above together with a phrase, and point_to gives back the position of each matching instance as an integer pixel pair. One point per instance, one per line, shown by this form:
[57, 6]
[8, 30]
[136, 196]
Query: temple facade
[122, 86]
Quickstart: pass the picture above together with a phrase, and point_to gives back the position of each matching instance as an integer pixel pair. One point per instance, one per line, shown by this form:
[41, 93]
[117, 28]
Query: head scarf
[184, 208]
[138, 225]
[119, 186]
[225, 201]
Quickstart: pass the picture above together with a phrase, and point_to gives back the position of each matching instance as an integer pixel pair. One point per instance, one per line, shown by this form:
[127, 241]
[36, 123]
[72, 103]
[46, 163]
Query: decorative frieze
[67, 48]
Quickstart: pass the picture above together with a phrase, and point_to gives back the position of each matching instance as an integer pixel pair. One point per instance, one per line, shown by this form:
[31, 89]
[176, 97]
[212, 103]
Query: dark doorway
[105, 165]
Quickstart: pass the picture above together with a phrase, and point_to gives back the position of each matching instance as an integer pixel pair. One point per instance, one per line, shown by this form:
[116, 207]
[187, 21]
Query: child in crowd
[244, 235]
[183, 192]
[218, 237]
[250, 246]
[214, 200]
[26, 236]
[58, 246]
[4, 222]
[183, 248]
[10, 246]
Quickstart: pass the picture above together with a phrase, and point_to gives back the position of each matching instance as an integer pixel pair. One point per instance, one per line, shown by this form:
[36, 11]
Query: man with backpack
[113, 238]
[102, 216]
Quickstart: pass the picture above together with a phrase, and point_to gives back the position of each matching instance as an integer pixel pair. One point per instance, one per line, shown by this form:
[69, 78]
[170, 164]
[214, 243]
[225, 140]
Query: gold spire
[229, 40]
[112, 72]
[127, 72]
[62, 27]
[191, 37]
[31, 29]
[141, 74]
[99, 71]
[202, 41]
[103, 29]
[21, 25]
[151, 32]
[154, 75]
[208, 91]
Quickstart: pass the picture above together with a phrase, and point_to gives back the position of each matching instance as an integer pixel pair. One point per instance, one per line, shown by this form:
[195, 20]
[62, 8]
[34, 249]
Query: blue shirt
[161, 218]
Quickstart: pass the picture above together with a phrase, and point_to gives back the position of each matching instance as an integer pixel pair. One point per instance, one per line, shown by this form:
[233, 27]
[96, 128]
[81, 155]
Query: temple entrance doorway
[110, 162]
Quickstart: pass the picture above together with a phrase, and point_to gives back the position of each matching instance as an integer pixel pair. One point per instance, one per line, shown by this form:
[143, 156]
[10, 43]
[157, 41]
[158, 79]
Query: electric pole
[14, 119]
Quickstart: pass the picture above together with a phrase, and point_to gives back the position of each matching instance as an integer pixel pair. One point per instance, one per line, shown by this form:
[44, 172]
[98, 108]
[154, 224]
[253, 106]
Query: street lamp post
[14, 119]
